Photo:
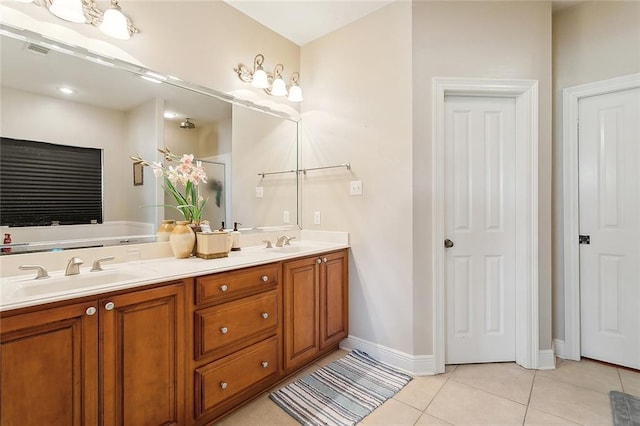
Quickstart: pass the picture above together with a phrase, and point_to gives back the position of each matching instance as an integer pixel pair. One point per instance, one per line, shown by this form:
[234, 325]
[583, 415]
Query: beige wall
[481, 40]
[592, 41]
[357, 109]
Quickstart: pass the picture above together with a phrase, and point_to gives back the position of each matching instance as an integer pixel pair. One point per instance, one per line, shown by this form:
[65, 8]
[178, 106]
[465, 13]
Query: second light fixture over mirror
[272, 83]
[112, 21]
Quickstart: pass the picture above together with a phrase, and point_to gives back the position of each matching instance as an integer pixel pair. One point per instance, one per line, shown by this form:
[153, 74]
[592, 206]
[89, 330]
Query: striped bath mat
[342, 393]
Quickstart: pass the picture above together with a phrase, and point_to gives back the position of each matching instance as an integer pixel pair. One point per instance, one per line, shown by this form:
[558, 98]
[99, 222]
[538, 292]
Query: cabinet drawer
[235, 322]
[229, 376]
[220, 287]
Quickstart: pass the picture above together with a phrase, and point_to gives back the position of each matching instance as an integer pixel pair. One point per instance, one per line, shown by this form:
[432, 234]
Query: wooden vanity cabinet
[113, 360]
[236, 351]
[316, 306]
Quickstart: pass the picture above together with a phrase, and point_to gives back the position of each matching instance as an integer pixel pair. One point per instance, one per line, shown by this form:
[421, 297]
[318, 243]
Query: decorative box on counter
[212, 245]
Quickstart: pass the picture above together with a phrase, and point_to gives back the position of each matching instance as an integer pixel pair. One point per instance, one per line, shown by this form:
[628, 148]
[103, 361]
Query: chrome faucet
[42, 272]
[73, 267]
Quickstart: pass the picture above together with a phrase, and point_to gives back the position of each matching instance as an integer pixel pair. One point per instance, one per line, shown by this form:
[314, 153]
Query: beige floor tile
[392, 412]
[630, 382]
[261, 412]
[333, 356]
[419, 392]
[506, 379]
[450, 368]
[587, 374]
[299, 375]
[540, 418]
[461, 404]
[580, 405]
[427, 419]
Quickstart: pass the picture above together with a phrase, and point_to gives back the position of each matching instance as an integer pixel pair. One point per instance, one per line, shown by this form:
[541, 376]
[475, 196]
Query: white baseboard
[546, 359]
[416, 365]
[558, 346]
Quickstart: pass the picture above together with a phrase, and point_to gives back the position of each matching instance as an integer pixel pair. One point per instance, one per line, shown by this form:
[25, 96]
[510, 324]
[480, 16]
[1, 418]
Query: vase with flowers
[188, 173]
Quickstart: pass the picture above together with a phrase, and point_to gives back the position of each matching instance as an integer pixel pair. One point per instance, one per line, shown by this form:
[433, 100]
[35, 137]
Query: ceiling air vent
[34, 48]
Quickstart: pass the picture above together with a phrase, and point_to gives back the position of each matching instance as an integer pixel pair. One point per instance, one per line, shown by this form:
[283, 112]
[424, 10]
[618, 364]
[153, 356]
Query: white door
[609, 193]
[480, 223]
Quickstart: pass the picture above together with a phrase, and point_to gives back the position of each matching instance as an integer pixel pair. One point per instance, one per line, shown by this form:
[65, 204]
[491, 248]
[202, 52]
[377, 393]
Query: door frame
[525, 93]
[571, 212]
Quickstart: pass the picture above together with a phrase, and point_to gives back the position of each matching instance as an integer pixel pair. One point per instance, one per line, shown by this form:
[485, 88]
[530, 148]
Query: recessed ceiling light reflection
[67, 90]
[169, 114]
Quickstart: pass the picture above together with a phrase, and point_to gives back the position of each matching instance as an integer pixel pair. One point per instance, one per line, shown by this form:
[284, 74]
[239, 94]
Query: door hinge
[584, 239]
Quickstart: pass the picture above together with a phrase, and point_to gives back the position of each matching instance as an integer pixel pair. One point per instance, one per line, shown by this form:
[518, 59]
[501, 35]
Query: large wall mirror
[126, 110]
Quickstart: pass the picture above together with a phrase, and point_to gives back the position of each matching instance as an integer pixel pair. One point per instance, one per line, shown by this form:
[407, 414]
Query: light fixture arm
[245, 74]
[93, 12]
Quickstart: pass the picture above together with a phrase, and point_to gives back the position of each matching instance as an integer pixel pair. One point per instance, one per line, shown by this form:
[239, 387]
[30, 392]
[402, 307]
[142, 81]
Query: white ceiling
[302, 21]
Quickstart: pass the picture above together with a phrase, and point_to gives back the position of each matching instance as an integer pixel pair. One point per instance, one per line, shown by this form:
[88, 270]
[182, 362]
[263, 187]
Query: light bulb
[279, 87]
[260, 80]
[295, 94]
[114, 23]
[69, 10]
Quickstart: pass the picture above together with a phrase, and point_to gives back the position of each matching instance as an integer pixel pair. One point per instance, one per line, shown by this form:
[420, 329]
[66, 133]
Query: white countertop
[22, 291]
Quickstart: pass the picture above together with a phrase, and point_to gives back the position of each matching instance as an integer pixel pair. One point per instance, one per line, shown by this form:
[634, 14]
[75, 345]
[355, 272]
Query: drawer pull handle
[109, 306]
[224, 287]
[223, 385]
[265, 278]
[265, 315]
[324, 259]
[318, 261]
[264, 364]
[91, 310]
[224, 330]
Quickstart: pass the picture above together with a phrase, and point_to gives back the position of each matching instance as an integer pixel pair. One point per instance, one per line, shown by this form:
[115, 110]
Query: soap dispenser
[235, 235]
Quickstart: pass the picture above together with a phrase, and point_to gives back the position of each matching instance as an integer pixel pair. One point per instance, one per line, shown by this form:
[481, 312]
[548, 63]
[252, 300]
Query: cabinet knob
[318, 261]
[109, 306]
[91, 310]
[224, 287]
[264, 364]
[224, 330]
[265, 278]
[223, 385]
[324, 259]
[265, 315]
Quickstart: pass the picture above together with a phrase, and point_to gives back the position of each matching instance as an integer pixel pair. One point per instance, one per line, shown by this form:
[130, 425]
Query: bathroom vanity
[183, 348]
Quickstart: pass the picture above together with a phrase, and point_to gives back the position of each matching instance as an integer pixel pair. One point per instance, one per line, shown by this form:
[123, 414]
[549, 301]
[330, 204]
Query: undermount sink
[28, 287]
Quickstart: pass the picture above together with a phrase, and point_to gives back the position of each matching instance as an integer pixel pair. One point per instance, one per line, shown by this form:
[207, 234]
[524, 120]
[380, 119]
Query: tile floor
[575, 393]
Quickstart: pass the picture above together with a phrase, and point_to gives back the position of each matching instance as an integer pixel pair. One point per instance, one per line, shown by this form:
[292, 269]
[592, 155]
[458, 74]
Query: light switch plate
[259, 191]
[356, 187]
[285, 216]
[316, 218]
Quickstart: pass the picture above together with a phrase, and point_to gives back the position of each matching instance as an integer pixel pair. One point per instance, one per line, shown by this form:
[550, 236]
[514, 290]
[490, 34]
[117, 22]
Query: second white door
[609, 167]
[480, 155]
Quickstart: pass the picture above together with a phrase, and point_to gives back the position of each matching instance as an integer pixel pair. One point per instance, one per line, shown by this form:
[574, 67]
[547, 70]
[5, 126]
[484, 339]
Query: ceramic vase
[164, 230]
[182, 240]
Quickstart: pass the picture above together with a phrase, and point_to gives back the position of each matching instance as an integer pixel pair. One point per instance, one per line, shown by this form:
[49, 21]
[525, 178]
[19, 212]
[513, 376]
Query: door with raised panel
[48, 367]
[480, 199]
[609, 194]
[141, 367]
[334, 299]
[301, 289]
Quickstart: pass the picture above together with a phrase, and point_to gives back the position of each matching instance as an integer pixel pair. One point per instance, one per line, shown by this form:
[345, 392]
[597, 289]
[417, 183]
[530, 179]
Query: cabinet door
[48, 367]
[141, 367]
[334, 287]
[301, 294]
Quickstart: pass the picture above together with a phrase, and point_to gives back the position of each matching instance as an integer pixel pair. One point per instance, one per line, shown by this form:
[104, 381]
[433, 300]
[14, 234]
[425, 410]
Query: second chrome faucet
[73, 266]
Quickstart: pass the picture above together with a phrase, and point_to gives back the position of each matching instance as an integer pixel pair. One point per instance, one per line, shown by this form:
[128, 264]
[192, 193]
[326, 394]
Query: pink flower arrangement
[188, 173]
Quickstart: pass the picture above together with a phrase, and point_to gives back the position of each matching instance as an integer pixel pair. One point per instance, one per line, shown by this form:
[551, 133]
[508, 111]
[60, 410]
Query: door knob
[448, 243]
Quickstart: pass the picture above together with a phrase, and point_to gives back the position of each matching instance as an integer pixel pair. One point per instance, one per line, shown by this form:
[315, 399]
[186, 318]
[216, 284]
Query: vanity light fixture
[111, 22]
[273, 83]
[295, 92]
[114, 23]
[187, 124]
[69, 10]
